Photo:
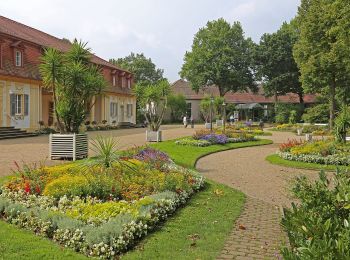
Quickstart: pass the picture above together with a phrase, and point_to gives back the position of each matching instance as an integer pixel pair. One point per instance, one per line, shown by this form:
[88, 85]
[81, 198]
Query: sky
[161, 29]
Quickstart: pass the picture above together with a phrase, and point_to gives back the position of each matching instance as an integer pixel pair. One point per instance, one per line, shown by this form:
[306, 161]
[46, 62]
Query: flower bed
[203, 138]
[95, 210]
[318, 130]
[322, 152]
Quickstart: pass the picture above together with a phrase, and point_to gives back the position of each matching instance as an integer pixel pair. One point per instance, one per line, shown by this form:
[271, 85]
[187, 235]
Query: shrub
[70, 185]
[318, 227]
[317, 114]
[200, 133]
[283, 112]
[215, 138]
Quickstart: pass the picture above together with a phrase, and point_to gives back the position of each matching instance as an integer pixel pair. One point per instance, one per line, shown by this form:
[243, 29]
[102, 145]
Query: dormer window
[129, 83]
[113, 80]
[18, 58]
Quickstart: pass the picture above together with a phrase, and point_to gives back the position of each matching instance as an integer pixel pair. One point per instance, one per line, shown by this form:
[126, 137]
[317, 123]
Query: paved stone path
[257, 233]
[36, 149]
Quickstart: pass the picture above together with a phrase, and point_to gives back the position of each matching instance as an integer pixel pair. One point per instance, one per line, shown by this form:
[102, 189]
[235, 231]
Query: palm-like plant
[153, 102]
[106, 150]
[74, 80]
[51, 69]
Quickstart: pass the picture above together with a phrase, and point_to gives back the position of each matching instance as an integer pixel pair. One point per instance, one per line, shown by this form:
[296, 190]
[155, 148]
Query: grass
[275, 159]
[21, 244]
[188, 155]
[197, 231]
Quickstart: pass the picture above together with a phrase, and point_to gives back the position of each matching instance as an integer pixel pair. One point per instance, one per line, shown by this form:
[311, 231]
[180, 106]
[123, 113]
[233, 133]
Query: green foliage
[143, 69]
[322, 51]
[153, 100]
[318, 227]
[74, 81]
[106, 150]
[276, 66]
[177, 105]
[220, 56]
[216, 107]
[69, 185]
[293, 117]
[342, 124]
[317, 114]
[284, 111]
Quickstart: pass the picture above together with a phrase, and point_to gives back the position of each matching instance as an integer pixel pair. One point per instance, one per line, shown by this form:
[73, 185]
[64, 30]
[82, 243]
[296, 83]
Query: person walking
[185, 121]
[232, 119]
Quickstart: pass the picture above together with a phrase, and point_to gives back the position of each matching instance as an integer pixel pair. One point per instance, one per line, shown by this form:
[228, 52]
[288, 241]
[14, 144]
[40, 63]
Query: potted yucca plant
[153, 100]
[73, 80]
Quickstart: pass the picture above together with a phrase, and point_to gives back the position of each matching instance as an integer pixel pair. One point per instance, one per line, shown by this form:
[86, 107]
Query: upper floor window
[129, 83]
[113, 80]
[18, 58]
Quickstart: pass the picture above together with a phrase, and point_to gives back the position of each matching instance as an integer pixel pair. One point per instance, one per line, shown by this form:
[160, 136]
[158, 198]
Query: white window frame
[19, 105]
[114, 109]
[18, 58]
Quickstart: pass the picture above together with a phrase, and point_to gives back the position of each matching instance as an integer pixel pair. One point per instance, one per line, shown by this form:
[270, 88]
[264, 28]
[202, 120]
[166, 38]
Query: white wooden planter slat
[68, 146]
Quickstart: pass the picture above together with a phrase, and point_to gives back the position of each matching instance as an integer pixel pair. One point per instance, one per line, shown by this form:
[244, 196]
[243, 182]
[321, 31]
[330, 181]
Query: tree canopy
[276, 66]
[220, 56]
[322, 51]
[144, 70]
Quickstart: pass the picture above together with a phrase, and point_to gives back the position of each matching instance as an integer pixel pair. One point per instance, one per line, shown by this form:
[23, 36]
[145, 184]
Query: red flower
[27, 187]
[37, 189]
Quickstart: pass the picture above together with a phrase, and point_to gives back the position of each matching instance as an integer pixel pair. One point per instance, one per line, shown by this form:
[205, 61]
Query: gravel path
[36, 149]
[257, 233]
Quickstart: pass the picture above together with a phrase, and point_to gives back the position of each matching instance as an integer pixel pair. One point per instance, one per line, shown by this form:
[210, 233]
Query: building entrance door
[121, 113]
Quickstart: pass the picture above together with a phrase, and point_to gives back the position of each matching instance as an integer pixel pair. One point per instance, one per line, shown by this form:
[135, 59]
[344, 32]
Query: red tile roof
[183, 87]
[27, 33]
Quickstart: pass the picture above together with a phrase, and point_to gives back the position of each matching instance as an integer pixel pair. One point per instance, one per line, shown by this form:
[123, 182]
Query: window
[19, 105]
[129, 83]
[113, 109]
[129, 110]
[113, 79]
[189, 110]
[18, 57]
[123, 82]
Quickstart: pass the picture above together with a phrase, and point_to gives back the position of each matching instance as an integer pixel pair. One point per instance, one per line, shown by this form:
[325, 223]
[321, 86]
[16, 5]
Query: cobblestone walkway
[257, 233]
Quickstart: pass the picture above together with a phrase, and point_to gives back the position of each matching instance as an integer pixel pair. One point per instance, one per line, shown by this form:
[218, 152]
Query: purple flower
[151, 155]
[215, 139]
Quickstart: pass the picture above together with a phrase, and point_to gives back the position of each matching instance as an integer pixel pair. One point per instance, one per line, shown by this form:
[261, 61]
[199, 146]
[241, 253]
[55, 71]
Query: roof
[27, 33]
[184, 87]
[249, 106]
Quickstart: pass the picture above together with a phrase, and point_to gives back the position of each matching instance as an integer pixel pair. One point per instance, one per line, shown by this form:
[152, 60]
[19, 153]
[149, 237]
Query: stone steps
[12, 132]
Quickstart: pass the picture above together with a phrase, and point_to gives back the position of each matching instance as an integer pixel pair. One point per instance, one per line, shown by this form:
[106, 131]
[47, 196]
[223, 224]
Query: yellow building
[23, 99]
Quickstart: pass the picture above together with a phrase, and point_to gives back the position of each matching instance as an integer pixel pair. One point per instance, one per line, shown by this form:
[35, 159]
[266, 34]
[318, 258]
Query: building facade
[24, 101]
[249, 99]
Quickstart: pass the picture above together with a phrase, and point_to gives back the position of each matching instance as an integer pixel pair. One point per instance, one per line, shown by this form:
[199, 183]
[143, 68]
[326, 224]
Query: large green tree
[144, 70]
[322, 51]
[220, 56]
[276, 66]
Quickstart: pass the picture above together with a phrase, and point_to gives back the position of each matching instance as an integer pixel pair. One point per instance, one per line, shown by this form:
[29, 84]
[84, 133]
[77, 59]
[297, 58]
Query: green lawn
[19, 244]
[197, 231]
[188, 155]
[275, 159]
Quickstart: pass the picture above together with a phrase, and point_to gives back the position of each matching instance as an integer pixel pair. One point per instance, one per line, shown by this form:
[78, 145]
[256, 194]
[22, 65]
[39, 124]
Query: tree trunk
[301, 101]
[332, 104]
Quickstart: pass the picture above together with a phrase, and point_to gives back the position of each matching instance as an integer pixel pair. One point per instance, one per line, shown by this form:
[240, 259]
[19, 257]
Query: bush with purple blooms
[151, 155]
[215, 138]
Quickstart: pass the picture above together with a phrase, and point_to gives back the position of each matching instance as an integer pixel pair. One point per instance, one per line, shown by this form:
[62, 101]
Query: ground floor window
[129, 110]
[19, 104]
[113, 109]
[189, 110]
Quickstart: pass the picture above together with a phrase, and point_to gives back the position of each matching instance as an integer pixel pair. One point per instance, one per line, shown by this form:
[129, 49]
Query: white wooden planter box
[219, 123]
[68, 146]
[207, 125]
[153, 136]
